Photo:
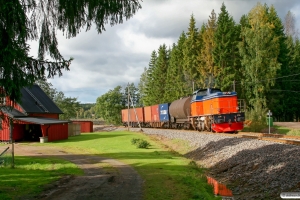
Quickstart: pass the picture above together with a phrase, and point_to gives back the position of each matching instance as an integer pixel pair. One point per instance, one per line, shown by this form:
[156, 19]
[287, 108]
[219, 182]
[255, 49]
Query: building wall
[46, 115]
[18, 130]
[56, 132]
[4, 131]
[86, 126]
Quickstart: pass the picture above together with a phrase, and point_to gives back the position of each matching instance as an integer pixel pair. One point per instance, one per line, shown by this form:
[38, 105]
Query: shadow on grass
[30, 175]
[89, 136]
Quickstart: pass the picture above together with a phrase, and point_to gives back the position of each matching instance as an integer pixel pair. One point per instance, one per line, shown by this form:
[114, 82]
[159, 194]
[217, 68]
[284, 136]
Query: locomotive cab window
[215, 90]
[201, 93]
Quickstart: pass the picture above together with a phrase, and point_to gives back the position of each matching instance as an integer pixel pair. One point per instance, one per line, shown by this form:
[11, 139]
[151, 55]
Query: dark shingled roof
[13, 112]
[35, 100]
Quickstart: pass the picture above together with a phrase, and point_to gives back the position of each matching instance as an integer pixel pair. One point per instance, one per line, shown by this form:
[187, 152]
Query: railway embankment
[252, 169]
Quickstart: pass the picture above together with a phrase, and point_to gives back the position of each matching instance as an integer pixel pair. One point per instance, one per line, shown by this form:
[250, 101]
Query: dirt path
[120, 182]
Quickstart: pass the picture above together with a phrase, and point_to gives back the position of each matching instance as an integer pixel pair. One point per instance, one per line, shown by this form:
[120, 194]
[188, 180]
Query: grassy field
[167, 174]
[287, 131]
[31, 174]
[274, 129]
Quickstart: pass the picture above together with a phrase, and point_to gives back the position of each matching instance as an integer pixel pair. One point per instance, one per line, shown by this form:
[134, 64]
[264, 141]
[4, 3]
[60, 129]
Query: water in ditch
[220, 189]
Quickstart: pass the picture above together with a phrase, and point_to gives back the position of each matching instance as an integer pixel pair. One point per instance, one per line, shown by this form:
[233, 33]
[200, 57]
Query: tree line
[258, 57]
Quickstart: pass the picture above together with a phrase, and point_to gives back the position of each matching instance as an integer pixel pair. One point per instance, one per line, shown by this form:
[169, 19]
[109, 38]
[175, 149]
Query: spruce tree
[281, 107]
[225, 53]
[176, 85]
[208, 67]
[149, 86]
[159, 76]
[190, 53]
[142, 87]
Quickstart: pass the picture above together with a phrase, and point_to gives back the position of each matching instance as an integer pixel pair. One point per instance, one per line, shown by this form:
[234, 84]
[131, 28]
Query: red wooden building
[85, 126]
[35, 116]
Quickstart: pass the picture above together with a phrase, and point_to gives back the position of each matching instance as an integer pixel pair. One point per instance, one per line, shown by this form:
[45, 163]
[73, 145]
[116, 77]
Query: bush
[140, 143]
[134, 141]
[256, 119]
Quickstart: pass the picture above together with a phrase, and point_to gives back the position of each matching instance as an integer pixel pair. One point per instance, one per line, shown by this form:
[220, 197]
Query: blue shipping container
[164, 112]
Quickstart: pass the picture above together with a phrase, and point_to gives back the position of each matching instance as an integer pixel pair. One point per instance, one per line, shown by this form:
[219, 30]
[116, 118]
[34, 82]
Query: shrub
[139, 143]
[135, 141]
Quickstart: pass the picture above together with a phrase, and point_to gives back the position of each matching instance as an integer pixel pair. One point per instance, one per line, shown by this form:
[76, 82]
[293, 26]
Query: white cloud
[119, 55]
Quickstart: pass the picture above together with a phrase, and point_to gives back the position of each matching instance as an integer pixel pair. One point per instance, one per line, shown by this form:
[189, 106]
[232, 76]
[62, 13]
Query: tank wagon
[206, 110]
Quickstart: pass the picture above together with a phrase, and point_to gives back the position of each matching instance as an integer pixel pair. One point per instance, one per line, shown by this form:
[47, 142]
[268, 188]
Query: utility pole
[193, 87]
[128, 106]
[137, 119]
[11, 123]
[234, 85]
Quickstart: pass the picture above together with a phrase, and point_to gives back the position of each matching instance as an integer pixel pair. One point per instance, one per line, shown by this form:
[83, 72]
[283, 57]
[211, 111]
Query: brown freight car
[136, 116]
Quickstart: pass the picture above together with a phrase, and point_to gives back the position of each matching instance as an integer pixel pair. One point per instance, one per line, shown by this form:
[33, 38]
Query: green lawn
[167, 174]
[287, 131]
[31, 174]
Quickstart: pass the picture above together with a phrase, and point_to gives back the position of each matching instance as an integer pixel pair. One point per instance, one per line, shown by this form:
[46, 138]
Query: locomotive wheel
[187, 126]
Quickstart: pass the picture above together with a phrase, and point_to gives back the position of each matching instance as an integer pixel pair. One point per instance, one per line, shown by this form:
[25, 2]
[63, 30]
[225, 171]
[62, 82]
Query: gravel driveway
[123, 183]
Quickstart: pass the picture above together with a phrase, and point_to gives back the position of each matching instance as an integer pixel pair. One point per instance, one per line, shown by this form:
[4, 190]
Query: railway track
[285, 139]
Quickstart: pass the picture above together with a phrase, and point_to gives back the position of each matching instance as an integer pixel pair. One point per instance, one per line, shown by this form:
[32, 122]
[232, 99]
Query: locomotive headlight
[237, 108]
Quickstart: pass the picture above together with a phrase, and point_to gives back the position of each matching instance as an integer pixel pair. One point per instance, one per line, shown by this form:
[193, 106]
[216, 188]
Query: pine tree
[142, 87]
[201, 64]
[208, 67]
[149, 86]
[159, 76]
[239, 81]
[284, 70]
[171, 78]
[190, 52]
[225, 53]
[176, 85]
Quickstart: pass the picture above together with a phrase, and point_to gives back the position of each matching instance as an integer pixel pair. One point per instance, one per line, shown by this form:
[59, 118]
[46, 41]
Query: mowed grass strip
[167, 174]
[287, 131]
[30, 175]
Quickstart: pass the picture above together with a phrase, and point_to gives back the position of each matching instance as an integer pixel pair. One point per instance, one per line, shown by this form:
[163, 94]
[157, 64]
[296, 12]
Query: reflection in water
[219, 189]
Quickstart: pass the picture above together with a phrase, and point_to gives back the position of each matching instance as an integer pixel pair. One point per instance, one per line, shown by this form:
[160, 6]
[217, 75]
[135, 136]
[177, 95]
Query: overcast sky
[119, 55]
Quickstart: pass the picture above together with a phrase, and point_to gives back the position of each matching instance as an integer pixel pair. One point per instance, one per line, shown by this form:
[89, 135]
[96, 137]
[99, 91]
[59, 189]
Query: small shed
[86, 126]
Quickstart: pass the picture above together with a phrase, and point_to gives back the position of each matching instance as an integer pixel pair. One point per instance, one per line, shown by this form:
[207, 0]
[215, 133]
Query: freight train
[206, 110]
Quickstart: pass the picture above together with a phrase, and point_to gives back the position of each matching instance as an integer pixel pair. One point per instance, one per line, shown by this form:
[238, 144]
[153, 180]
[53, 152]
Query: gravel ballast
[253, 169]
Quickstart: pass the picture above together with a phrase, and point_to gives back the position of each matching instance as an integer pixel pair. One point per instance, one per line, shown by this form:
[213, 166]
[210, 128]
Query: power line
[271, 79]
[285, 91]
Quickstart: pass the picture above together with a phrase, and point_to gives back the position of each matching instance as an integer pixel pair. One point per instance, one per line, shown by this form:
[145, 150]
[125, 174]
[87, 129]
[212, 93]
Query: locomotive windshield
[215, 90]
[202, 93]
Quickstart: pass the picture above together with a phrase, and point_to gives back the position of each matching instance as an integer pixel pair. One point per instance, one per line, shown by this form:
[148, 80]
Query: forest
[258, 57]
